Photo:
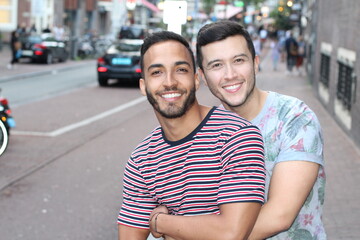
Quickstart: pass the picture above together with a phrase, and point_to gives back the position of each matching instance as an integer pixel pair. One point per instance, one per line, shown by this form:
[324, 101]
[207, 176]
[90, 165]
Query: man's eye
[215, 65]
[183, 70]
[239, 60]
[154, 73]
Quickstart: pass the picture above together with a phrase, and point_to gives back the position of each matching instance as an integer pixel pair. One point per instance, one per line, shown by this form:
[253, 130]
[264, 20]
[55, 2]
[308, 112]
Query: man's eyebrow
[218, 60]
[182, 62]
[157, 65]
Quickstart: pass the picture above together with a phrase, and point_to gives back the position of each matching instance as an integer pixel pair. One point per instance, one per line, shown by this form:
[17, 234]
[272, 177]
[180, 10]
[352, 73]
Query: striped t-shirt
[221, 161]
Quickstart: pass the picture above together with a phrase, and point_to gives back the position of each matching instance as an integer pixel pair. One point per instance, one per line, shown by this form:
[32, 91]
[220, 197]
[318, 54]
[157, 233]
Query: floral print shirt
[291, 132]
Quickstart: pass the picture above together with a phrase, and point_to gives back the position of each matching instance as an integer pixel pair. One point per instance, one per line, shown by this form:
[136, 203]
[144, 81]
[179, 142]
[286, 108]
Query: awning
[230, 12]
[150, 6]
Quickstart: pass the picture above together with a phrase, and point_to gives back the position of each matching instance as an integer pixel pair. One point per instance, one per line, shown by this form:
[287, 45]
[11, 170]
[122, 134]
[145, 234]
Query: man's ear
[256, 63]
[142, 86]
[197, 81]
[201, 76]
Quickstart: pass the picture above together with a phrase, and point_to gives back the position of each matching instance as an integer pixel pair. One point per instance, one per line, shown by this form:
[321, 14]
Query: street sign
[175, 14]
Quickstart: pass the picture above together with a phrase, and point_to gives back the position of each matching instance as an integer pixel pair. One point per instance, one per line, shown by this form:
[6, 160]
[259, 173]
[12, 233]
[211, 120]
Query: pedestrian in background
[291, 47]
[275, 52]
[301, 55]
[203, 161]
[295, 177]
[15, 46]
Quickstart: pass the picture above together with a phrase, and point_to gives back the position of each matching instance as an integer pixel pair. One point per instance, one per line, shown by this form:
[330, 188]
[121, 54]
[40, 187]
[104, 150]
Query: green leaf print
[302, 234]
[321, 193]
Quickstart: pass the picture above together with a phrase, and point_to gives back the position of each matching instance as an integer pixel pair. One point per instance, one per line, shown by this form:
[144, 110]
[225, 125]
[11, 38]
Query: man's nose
[230, 72]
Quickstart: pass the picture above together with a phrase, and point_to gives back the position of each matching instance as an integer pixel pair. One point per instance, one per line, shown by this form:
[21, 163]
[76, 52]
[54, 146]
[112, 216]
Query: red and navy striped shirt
[221, 161]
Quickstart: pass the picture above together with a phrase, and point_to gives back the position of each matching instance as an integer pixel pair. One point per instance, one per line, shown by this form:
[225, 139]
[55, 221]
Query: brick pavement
[341, 212]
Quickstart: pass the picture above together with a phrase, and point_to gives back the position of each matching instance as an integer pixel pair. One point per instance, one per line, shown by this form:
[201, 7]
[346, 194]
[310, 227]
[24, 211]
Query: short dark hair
[218, 31]
[163, 36]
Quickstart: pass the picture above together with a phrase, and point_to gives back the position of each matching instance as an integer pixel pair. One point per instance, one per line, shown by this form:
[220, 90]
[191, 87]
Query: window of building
[346, 85]
[325, 69]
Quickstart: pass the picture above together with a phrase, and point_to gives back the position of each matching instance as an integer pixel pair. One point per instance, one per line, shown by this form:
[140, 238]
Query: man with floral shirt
[292, 134]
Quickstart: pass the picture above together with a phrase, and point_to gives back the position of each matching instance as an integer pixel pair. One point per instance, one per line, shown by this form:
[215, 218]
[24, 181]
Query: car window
[131, 32]
[124, 47]
[34, 39]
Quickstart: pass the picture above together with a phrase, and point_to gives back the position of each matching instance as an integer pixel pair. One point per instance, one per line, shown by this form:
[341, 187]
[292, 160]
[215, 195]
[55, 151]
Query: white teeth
[232, 87]
[171, 95]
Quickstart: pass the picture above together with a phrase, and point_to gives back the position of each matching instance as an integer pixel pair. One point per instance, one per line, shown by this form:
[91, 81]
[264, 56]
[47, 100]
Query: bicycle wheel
[4, 138]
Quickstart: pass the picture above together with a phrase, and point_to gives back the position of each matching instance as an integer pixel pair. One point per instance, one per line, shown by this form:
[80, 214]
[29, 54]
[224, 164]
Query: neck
[253, 105]
[177, 128]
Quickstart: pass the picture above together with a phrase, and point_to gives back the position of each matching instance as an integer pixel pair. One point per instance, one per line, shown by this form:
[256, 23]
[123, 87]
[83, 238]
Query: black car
[44, 48]
[121, 61]
[133, 32]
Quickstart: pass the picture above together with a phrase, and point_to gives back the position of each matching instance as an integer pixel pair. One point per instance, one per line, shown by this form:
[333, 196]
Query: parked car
[6, 122]
[44, 48]
[121, 61]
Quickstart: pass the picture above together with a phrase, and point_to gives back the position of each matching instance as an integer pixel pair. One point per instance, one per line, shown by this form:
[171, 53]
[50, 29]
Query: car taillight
[4, 101]
[38, 45]
[38, 52]
[138, 70]
[101, 61]
[102, 69]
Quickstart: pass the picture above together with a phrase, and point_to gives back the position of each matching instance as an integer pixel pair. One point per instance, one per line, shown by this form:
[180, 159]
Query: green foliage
[282, 20]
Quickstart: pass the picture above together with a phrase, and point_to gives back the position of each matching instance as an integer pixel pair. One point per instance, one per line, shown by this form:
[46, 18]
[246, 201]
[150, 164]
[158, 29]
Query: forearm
[229, 225]
[270, 222]
[130, 233]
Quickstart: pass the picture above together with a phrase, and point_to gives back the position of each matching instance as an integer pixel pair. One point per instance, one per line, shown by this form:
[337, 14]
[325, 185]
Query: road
[60, 177]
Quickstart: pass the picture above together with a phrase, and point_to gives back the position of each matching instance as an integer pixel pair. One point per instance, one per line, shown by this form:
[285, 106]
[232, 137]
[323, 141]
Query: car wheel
[49, 58]
[103, 81]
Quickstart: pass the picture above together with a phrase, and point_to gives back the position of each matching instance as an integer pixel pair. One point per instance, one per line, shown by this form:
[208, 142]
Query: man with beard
[203, 164]
[295, 178]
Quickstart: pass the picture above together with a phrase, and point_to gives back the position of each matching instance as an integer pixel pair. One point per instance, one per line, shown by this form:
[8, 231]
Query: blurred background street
[61, 174]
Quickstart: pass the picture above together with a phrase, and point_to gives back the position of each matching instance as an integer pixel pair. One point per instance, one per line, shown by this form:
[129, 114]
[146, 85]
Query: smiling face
[229, 70]
[169, 78]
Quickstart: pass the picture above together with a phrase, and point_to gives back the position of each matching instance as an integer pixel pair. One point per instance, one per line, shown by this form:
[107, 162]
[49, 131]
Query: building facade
[334, 59]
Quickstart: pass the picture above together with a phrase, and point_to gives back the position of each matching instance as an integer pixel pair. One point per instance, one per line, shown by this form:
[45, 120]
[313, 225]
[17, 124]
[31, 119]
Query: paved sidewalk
[342, 157]
[25, 69]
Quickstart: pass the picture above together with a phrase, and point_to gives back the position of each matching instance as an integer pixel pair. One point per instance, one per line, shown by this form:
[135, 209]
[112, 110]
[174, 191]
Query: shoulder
[226, 117]
[154, 138]
[224, 123]
[293, 110]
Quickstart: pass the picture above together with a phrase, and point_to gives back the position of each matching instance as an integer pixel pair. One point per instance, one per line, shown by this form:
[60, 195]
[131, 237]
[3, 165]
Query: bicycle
[4, 138]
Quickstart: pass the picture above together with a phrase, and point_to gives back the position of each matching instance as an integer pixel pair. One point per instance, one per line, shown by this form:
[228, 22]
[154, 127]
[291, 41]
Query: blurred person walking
[301, 55]
[275, 52]
[15, 46]
[291, 47]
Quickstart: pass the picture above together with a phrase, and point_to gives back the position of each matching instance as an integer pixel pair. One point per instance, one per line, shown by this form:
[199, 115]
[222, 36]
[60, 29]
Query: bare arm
[290, 185]
[130, 233]
[234, 222]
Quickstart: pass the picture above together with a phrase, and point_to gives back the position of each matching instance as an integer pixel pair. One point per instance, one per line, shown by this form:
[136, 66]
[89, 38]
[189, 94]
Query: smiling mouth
[232, 88]
[171, 96]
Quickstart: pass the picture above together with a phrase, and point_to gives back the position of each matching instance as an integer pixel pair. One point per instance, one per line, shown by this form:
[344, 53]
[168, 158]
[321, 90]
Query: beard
[172, 110]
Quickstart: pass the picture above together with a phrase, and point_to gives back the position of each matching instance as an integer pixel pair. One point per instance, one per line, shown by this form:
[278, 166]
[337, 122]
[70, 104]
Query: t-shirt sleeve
[137, 200]
[243, 177]
[301, 136]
